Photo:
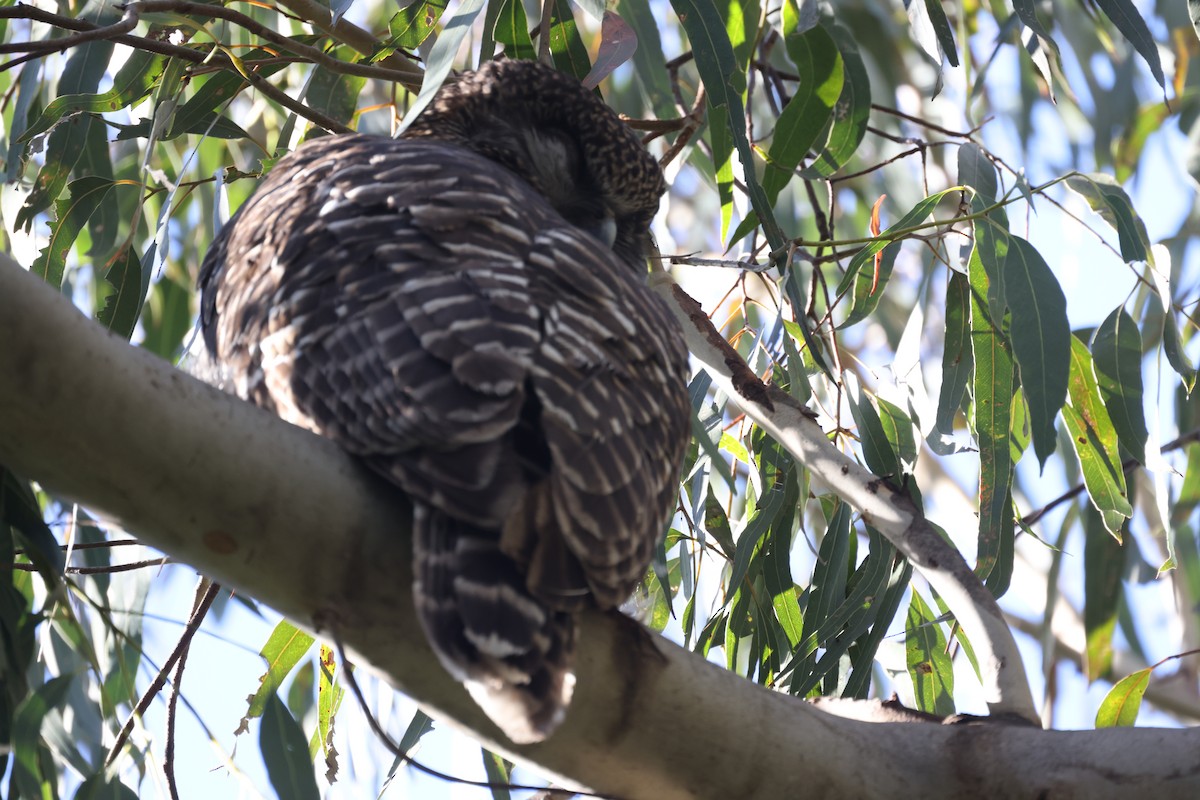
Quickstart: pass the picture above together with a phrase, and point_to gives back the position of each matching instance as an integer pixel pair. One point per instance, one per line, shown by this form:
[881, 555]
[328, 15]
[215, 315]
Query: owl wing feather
[432, 314]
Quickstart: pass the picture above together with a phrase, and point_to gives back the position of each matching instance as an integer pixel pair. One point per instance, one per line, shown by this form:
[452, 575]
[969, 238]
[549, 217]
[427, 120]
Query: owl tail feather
[512, 652]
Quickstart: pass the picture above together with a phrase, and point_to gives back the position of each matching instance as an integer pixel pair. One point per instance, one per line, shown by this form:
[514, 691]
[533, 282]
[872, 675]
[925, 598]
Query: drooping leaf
[957, 358]
[850, 114]
[1109, 200]
[283, 649]
[441, 56]
[512, 31]
[929, 665]
[82, 198]
[1121, 705]
[869, 286]
[1041, 339]
[726, 84]
[1117, 358]
[1129, 22]
[285, 752]
[1103, 564]
[1095, 442]
[819, 65]
[123, 307]
[566, 46]
[993, 385]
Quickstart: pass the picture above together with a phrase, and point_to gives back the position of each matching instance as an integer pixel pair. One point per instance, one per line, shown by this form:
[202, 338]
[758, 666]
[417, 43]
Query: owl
[465, 310]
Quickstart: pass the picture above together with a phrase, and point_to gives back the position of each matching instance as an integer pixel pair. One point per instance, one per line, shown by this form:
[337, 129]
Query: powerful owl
[465, 311]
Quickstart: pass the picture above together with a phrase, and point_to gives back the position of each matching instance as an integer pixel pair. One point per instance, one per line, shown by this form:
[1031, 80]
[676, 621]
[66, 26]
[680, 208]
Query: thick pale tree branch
[289, 519]
[891, 512]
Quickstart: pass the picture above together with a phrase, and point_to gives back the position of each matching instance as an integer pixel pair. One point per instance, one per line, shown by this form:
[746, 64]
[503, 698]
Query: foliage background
[120, 163]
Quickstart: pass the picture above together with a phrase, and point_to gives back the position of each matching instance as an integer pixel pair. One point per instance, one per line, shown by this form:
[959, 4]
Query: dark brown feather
[440, 307]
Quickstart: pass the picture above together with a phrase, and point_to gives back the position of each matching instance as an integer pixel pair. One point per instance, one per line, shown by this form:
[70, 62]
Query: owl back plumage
[436, 310]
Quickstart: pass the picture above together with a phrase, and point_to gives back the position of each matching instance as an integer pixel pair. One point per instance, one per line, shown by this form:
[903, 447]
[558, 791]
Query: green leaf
[1103, 564]
[929, 664]
[819, 65]
[1176, 357]
[498, 773]
[826, 590]
[1120, 706]
[19, 508]
[440, 60]
[648, 59]
[716, 524]
[123, 307]
[993, 386]
[878, 452]
[868, 287]
[134, 81]
[957, 360]
[284, 648]
[1095, 442]
[915, 216]
[83, 198]
[851, 113]
[566, 46]
[726, 84]
[28, 773]
[412, 25]
[329, 701]
[334, 93]
[899, 430]
[285, 753]
[883, 610]
[1130, 23]
[1040, 339]
[1117, 358]
[512, 31]
[1106, 197]
[977, 172]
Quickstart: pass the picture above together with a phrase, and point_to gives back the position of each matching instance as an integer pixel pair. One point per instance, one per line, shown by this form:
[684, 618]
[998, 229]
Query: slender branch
[45, 47]
[181, 646]
[882, 506]
[363, 41]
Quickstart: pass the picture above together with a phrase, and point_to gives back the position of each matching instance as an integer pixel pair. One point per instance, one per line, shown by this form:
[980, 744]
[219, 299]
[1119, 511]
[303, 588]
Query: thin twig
[185, 640]
[1127, 466]
[398, 752]
[47, 46]
[313, 54]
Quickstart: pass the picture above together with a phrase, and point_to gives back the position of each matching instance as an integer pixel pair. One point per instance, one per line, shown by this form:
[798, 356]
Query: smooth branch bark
[286, 517]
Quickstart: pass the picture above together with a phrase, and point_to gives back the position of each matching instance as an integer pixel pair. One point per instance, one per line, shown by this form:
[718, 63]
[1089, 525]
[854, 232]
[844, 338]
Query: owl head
[562, 139]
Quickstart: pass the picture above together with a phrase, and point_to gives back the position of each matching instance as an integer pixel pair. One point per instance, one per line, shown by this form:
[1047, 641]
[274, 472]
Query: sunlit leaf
[284, 648]
[1121, 705]
[929, 665]
[850, 114]
[1040, 339]
[1095, 441]
[992, 387]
